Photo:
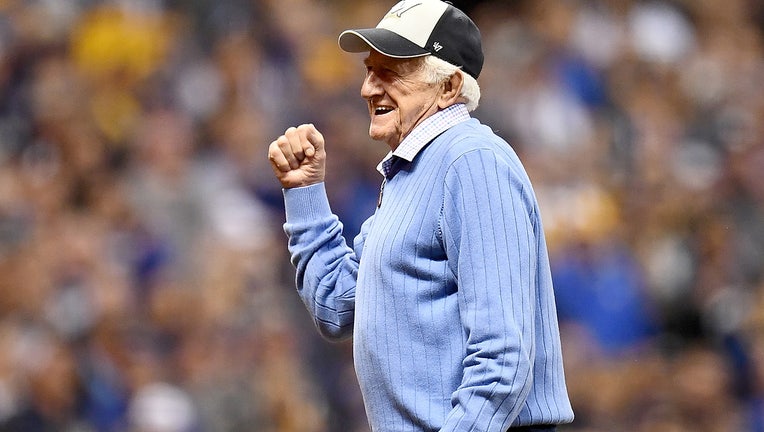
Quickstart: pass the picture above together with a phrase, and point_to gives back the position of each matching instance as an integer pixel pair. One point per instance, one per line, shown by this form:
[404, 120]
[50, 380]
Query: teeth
[382, 110]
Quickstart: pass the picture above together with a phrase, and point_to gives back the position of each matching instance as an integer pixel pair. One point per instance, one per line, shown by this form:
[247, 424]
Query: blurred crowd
[144, 280]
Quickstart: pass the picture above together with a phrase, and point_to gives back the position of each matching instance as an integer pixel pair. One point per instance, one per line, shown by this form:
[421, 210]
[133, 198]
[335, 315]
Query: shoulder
[472, 139]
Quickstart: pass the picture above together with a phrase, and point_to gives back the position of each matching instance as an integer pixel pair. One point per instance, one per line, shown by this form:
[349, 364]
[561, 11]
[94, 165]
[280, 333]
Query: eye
[380, 72]
[386, 73]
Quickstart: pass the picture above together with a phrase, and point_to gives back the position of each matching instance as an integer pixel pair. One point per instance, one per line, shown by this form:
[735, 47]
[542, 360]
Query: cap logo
[437, 47]
[401, 8]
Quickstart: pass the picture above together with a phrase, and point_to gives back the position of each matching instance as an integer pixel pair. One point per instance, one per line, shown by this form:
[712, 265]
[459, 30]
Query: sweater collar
[425, 132]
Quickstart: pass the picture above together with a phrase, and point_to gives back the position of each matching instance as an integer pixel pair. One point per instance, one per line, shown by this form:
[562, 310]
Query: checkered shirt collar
[425, 132]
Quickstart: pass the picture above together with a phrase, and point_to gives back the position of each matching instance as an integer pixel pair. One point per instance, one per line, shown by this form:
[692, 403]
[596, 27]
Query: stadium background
[144, 282]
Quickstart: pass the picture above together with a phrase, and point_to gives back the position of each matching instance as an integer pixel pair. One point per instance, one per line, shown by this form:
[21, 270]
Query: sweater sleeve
[326, 268]
[488, 227]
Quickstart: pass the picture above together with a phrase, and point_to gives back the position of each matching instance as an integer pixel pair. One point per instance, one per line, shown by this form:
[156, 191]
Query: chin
[377, 135]
[384, 134]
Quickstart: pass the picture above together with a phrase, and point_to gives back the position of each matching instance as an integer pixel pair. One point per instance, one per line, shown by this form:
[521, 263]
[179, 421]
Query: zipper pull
[381, 192]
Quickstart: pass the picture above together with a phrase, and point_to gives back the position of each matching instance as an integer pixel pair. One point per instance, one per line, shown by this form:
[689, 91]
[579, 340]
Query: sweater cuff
[306, 203]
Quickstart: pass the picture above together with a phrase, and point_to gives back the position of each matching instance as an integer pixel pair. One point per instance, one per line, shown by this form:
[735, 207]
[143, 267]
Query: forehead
[398, 64]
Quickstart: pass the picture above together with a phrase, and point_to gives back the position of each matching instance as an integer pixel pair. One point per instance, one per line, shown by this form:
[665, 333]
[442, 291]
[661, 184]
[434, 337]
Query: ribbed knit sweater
[447, 290]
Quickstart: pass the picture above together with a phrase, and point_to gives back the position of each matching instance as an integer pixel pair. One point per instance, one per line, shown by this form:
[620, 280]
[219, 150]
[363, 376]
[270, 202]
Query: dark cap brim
[382, 40]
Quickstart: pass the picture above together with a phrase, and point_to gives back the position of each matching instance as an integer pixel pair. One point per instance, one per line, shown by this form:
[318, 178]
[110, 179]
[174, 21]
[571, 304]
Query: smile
[381, 110]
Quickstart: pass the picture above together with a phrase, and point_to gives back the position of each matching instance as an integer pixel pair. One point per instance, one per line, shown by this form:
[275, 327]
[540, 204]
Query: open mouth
[382, 110]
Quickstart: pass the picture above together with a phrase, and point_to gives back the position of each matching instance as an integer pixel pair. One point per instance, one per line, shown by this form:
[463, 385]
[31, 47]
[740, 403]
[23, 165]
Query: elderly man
[446, 291]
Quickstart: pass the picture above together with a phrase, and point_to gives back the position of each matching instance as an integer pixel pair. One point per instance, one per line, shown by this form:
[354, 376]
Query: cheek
[416, 107]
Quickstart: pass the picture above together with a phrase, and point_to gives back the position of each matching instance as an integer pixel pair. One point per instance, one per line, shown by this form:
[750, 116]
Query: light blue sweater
[447, 291]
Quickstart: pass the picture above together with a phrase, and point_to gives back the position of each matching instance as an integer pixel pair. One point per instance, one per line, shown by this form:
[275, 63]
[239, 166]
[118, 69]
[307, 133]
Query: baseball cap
[416, 28]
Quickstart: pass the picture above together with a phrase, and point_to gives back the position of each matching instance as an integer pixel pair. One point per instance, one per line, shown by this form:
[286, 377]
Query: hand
[298, 157]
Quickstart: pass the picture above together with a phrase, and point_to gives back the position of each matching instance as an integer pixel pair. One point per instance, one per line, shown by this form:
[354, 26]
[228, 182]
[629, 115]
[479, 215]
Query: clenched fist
[298, 157]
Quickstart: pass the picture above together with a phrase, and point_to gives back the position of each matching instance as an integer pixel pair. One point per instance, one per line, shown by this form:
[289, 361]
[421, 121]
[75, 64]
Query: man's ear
[452, 90]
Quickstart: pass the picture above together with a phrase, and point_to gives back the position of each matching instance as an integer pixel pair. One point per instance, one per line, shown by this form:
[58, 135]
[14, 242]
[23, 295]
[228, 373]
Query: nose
[371, 85]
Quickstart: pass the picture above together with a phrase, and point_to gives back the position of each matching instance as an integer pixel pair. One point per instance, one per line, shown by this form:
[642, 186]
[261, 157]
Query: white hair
[437, 71]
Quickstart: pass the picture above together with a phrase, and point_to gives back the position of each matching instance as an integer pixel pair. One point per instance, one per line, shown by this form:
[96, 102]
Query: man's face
[397, 96]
